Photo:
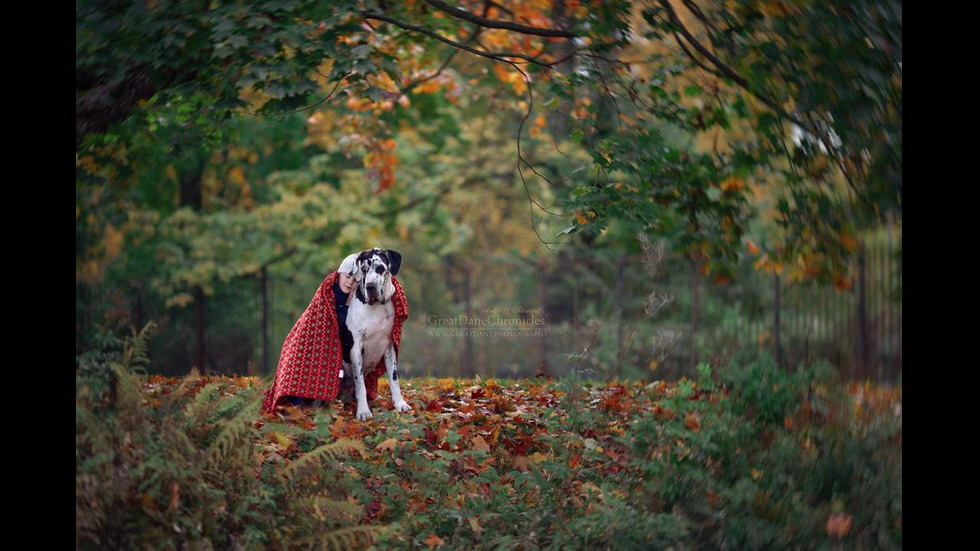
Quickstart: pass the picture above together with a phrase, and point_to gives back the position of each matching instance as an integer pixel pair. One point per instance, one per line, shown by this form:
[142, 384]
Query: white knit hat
[348, 266]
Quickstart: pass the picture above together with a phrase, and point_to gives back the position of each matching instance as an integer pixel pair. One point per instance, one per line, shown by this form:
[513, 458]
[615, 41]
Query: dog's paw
[403, 407]
[364, 415]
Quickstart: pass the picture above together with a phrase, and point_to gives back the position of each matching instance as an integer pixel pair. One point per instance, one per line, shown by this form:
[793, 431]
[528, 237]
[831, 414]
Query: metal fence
[556, 314]
[523, 318]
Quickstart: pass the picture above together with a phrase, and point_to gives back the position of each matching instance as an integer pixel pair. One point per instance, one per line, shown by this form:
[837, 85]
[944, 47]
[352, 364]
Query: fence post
[695, 309]
[544, 366]
[776, 349]
[620, 274]
[200, 355]
[862, 313]
[468, 298]
[264, 288]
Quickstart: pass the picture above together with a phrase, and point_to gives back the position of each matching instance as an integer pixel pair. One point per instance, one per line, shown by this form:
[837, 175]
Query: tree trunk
[200, 357]
[264, 284]
[776, 299]
[695, 311]
[191, 195]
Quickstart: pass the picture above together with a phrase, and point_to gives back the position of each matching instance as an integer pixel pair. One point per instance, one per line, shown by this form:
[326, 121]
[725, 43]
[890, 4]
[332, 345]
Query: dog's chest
[374, 324]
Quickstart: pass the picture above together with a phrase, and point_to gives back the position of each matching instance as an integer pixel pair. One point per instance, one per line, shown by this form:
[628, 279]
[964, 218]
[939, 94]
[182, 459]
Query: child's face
[347, 283]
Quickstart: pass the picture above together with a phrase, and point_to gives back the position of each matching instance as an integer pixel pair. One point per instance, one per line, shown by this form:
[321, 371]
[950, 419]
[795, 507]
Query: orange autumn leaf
[733, 184]
[692, 421]
[752, 247]
[839, 525]
[480, 444]
[434, 541]
[174, 497]
[388, 445]
[848, 241]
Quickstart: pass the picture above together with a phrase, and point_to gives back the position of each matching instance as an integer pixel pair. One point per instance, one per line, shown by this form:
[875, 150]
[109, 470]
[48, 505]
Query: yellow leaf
[756, 474]
[236, 176]
[475, 525]
[281, 439]
[653, 365]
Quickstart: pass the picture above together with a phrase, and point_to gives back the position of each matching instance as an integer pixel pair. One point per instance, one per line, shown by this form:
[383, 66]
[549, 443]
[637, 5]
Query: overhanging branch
[494, 24]
[497, 56]
[722, 69]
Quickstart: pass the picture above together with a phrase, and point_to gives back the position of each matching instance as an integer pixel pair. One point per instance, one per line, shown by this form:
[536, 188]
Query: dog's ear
[394, 261]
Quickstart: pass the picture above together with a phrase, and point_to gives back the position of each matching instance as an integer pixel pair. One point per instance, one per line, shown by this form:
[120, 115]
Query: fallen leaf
[480, 444]
[434, 541]
[388, 445]
[592, 444]
[174, 497]
[475, 525]
[281, 439]
[522, 463]
[839, 525]
[434, 406]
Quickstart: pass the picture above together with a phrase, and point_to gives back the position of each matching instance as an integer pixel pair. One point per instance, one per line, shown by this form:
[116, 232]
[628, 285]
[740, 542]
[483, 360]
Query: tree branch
[726, 71]
[411, 85]
[498, 56]
[494, 24]
[473, 38]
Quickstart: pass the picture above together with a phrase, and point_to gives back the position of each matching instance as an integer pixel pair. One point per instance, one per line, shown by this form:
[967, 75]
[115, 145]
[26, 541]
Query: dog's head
[373, 271]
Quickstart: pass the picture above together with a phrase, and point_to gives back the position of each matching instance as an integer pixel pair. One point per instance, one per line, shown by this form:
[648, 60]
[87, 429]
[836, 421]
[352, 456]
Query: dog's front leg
[356, 359]
[396, 392]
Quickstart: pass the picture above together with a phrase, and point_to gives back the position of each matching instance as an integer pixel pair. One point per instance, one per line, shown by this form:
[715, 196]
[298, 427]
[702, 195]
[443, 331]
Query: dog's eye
[380, 270]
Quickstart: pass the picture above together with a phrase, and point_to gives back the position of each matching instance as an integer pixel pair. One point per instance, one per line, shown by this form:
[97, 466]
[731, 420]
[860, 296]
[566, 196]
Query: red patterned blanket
[312, 356]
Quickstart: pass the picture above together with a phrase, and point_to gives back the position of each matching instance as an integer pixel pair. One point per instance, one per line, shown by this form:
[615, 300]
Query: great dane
[370, 319]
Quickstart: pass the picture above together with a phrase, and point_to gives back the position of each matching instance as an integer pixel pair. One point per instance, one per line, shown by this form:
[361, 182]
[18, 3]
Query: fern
[332, 451]
[136, 349]
[203, 405]
[236, 434]
[326, 507]
[128, 398]
[349, 537]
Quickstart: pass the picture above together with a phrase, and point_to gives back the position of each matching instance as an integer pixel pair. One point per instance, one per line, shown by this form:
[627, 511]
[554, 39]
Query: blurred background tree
[528, 154]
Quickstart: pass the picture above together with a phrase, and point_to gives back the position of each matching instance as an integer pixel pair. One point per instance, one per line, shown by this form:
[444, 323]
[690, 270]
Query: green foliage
[180, 468]
[312, 459]
[485, 464]
[765, 389]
